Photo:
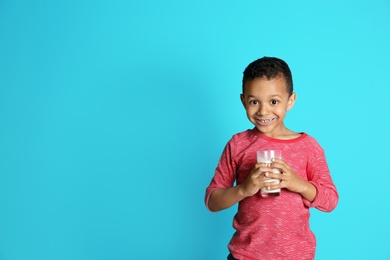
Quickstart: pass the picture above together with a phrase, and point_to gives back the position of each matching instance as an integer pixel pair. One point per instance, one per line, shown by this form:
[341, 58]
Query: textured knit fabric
[274, 227]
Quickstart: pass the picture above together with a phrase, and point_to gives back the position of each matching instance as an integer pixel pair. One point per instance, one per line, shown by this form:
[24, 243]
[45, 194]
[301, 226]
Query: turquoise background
[113, 115]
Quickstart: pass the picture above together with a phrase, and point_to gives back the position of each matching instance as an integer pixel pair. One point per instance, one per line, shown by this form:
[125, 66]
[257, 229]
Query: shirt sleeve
[318, 175]
[225, 173]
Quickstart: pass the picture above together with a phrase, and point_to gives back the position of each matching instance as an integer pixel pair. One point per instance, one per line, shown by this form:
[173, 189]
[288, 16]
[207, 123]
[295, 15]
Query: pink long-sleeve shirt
[274, 227]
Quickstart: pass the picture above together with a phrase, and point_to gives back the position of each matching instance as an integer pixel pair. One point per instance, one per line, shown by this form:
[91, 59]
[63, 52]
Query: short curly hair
[269, 68]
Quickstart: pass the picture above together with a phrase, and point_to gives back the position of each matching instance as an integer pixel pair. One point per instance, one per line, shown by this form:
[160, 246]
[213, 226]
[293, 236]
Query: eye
[274, 102]
[253, 102]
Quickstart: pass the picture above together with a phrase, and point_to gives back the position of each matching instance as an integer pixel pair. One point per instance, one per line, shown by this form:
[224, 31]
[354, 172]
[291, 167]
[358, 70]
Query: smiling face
[266, 103]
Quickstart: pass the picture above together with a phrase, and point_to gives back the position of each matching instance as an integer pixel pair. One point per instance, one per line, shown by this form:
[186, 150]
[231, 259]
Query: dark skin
[266, 103]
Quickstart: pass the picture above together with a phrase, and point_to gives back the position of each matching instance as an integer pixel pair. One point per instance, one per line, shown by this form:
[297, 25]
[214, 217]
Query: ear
[291, 101]
[243, 100]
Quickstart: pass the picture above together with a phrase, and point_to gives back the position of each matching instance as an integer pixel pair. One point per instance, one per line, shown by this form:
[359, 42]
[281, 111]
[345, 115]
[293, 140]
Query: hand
[288, 178]
[254, 181]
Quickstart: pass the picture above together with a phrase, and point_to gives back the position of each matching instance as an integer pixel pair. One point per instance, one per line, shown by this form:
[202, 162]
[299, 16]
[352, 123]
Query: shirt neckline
[271, 139]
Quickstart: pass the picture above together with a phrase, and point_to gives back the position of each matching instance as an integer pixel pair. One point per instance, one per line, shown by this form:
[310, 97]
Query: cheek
[249, 113]
[282, 111]
[251, 110]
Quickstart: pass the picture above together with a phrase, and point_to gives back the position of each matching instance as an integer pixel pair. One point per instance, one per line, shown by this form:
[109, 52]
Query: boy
[271, 227]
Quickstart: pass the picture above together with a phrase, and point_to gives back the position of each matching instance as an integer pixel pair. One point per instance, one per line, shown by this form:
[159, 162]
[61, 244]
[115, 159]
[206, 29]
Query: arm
[319, 190]
[319, 176]
[222, 198]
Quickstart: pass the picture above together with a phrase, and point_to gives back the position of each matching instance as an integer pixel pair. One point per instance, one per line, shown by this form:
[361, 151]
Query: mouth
[265, 121]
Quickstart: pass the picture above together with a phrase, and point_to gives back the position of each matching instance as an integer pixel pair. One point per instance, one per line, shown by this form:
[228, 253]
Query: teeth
[265, 120]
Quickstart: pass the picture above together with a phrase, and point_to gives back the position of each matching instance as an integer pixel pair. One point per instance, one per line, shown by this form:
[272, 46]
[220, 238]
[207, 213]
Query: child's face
[266, 103]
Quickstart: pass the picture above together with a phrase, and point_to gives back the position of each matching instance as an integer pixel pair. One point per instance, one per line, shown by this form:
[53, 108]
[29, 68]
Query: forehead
[263, 86]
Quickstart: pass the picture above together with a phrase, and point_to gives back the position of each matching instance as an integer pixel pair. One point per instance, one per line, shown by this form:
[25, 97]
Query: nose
[263, 110]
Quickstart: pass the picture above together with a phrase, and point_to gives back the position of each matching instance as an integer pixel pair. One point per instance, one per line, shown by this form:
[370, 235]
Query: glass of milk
[266, 156]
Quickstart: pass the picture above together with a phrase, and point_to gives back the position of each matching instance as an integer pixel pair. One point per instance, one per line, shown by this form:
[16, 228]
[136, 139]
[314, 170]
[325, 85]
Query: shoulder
[310, 142]
[242, 141]
[308, 138]
[247, 135]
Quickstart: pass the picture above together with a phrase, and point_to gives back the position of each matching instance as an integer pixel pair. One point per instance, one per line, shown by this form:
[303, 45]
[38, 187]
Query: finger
[256, 173]
[263, 164]
[271, 184]
[281, 166]
[274, 175]
[259, 172]
[264, 167]
[282, 184]
[277, 160]
[257, 167]
[278, 165]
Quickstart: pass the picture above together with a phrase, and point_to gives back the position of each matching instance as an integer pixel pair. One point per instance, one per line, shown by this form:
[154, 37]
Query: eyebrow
[273, 96]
